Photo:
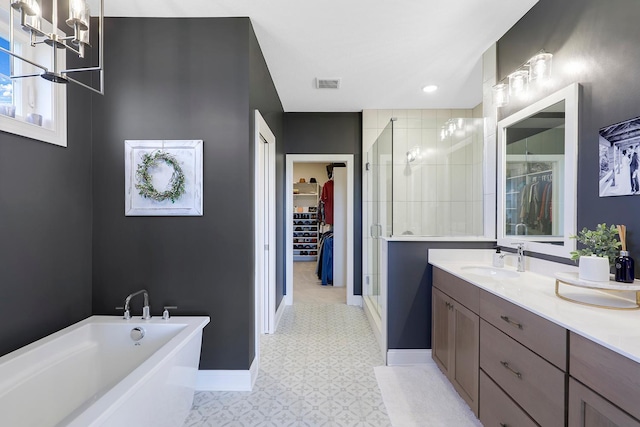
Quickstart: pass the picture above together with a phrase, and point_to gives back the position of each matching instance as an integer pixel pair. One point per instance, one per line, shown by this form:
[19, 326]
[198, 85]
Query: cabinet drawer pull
[513, 322]
[514, 372]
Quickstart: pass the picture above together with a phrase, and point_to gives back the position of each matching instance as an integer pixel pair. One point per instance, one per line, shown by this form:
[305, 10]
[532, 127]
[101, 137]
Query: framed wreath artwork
[163, 178]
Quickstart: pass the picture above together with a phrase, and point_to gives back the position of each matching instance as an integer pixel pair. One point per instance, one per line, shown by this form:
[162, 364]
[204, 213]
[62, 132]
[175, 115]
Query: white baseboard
[288, 299]
[232, 380]
[376, 327]
[354, 300]
[408, 357]
[279, 313]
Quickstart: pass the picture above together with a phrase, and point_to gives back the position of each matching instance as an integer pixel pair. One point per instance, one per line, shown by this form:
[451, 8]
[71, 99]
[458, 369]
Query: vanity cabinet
[589, 409]
[455, 334]
[526, 357]
[516, 368]
[599, 377]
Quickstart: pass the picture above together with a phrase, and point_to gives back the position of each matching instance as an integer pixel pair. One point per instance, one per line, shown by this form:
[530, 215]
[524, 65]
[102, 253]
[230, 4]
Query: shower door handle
[376, 231]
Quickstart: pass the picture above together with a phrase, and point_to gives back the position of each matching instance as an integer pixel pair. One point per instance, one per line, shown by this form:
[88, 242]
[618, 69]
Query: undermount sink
[489, 271]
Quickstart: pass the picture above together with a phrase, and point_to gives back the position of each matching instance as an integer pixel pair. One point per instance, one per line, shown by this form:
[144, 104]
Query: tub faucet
[520, 256]
[146, 309]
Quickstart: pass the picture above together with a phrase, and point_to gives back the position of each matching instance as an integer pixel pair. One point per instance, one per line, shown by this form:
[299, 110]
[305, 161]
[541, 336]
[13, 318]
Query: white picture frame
[188, 153]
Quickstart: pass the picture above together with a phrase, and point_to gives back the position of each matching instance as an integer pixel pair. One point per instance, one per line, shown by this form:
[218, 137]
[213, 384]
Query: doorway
[347, 227]
[265, 229]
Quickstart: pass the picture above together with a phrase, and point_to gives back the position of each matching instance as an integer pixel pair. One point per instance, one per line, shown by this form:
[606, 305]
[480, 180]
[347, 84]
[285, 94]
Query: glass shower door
[379, 213]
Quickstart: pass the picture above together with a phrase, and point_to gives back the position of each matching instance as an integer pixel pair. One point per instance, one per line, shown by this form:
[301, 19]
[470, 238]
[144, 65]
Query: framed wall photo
[163, 178]
[619, 146]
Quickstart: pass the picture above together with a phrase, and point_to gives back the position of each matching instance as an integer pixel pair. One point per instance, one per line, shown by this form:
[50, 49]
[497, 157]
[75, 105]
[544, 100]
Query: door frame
[348, 159]
[265, 290]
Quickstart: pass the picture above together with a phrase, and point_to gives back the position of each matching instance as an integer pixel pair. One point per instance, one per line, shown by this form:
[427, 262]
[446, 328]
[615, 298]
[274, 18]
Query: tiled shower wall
[440, 193]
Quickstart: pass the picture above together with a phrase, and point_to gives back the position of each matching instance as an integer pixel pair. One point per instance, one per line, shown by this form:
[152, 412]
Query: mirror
[537, 166]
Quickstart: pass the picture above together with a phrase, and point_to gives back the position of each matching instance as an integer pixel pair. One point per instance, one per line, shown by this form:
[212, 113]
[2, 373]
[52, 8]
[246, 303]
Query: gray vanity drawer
[464, 292]
[538, 334]
[532, 382]
[497, 409]
[606, 372]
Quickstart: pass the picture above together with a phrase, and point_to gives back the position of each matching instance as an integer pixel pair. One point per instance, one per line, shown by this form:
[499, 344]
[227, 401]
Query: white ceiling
[384, 51]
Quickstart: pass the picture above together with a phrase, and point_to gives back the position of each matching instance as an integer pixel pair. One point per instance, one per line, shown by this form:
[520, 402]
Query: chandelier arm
[79, 70]
[99, 92]
[23, 58]
[25, 75]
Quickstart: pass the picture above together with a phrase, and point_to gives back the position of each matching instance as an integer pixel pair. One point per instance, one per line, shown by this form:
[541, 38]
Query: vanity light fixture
[79, 20]
[536, 70]
[430, 89]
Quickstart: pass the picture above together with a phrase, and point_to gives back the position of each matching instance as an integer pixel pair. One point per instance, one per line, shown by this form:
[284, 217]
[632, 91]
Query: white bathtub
[93, 374]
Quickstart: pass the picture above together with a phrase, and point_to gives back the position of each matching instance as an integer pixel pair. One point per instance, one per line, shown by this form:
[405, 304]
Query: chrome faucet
[146, 309]
[520, 256]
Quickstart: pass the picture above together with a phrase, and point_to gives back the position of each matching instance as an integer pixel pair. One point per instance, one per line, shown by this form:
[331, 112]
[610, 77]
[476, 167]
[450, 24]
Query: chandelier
[74, 39]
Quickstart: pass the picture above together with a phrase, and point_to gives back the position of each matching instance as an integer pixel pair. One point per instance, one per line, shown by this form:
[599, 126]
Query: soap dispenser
[498, 259]
[624, 263]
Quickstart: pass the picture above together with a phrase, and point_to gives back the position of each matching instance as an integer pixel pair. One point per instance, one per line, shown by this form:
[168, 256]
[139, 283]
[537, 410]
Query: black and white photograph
[620, 159]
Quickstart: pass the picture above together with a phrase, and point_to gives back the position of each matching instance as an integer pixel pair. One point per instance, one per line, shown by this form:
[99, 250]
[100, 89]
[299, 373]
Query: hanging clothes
[327, 201]
[324, 268]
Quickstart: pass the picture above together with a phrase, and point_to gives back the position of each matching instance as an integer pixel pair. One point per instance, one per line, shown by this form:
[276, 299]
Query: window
[30, 106]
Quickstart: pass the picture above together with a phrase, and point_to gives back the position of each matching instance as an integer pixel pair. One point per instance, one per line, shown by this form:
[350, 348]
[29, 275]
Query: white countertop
[534, 290]
[414, 238]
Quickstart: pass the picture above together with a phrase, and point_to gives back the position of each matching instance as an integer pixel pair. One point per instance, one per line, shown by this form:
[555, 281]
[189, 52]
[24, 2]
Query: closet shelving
[305, 221]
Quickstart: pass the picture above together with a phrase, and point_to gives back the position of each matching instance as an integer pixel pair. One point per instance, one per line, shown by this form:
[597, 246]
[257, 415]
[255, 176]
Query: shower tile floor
[316, 370]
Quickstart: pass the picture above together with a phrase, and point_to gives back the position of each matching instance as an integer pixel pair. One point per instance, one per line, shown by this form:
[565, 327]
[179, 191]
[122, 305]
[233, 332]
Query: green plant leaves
[603, 241]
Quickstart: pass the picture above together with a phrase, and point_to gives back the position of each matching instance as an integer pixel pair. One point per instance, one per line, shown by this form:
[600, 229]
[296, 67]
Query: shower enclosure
[420, 185]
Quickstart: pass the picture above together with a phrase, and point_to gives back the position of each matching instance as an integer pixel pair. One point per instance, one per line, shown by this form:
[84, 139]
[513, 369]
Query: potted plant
[601, 247]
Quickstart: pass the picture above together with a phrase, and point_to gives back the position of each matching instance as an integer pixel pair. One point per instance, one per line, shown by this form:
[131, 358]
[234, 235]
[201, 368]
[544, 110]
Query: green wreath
[175, 188]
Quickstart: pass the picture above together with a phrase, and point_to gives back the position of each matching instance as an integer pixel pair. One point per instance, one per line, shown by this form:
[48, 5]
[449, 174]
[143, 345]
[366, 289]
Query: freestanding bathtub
[93, 373]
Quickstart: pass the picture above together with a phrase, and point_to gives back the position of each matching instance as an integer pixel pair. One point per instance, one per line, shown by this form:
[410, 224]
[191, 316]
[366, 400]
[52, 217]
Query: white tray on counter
[613, 302]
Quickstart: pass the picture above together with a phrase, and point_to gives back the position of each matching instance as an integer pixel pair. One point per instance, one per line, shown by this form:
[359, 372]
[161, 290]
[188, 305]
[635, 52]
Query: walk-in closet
[319, 218]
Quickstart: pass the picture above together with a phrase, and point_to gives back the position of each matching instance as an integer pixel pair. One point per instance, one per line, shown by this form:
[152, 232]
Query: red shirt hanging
[327, 199]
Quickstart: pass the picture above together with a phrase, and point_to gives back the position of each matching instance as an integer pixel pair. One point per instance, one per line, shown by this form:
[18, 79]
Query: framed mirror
[537, 175]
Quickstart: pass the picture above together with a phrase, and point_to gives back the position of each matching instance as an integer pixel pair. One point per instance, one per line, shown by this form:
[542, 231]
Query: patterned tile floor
[316, 370]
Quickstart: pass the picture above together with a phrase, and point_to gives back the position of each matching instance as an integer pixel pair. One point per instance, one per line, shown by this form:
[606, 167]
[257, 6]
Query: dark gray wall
[182, 79]
[595, 43]
[45, 224]
[409, 291]
[331, 133]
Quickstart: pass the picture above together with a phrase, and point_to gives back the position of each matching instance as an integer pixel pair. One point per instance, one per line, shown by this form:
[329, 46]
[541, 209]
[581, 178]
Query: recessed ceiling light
[430, 88]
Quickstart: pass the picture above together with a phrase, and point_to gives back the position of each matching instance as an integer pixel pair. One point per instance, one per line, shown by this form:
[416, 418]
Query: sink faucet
[146, 309]
[520, 256]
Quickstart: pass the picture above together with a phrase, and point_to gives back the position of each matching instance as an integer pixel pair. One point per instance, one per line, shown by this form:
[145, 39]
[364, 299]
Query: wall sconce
[536, 70]
[79, 21]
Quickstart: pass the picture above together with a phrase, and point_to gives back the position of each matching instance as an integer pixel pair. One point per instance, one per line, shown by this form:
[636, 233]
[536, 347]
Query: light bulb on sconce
[540, 67]
[500, 94]
[518, 82]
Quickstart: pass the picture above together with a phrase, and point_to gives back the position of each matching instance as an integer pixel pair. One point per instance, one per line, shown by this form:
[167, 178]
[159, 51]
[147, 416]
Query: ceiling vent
[327, 83]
